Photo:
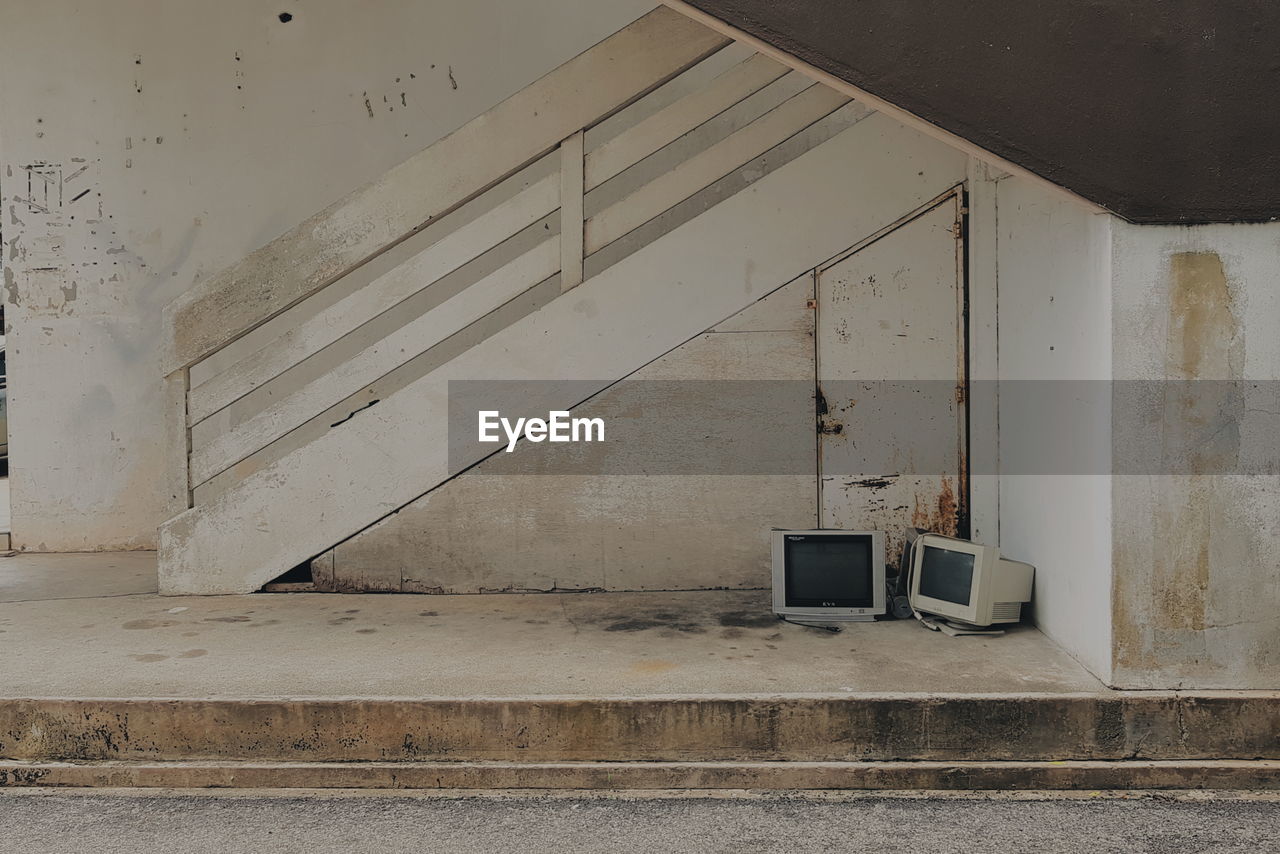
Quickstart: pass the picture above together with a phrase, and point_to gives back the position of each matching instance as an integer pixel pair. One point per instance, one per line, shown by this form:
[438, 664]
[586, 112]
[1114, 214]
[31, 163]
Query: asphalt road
[34, 823]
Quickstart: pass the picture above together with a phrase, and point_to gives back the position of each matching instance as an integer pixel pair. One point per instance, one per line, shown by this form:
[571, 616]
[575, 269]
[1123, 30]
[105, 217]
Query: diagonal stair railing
[564, 178]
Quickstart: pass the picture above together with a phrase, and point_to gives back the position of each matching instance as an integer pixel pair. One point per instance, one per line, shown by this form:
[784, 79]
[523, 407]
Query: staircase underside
[687, 281]
[631, 523]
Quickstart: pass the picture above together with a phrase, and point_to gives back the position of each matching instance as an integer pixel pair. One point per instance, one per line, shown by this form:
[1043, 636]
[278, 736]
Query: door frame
[957, 195]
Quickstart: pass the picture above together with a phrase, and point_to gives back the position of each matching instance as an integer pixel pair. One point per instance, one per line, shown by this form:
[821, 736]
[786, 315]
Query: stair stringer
[708, 269]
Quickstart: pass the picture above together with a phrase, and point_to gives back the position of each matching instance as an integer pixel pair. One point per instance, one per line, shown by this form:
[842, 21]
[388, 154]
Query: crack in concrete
[68, 598]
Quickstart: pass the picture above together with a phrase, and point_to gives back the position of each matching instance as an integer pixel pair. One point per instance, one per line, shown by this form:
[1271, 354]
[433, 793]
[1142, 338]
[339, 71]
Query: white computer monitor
[827, 575]
[967, 582]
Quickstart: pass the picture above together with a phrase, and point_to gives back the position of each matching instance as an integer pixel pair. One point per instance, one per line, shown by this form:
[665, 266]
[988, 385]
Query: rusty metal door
[892, 379]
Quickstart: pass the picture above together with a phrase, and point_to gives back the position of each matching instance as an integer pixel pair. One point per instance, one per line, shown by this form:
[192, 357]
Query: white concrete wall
[1054, 319]
[1151, 578]
[1197, 553]
[178, 138]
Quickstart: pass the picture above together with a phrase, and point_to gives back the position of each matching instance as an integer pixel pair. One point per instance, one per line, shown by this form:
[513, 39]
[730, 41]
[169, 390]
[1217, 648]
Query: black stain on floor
[748, 619]
[655, 621]
[148, 624]
[675, 622]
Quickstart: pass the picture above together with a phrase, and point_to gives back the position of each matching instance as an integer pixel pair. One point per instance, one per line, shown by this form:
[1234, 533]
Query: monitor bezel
[815, 612]
[983, 558]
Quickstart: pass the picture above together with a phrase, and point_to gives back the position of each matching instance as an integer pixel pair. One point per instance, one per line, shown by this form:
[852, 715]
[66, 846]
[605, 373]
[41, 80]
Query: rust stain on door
[938, 512]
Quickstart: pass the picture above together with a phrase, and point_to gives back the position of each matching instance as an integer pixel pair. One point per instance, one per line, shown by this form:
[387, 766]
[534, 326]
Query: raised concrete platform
[897, 776]
[92, 626]
[106, 683]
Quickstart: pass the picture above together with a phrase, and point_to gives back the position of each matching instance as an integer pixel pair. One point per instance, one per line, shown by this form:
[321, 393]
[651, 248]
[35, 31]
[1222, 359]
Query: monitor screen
[829, 571]
[946, 575]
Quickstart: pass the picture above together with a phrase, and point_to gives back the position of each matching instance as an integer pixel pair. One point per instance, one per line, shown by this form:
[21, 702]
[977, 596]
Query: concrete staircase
[1032, 741]
[575, 232]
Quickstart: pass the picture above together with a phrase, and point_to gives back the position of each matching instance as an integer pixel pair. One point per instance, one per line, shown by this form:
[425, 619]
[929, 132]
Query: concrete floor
[138, 823]
[91, 625]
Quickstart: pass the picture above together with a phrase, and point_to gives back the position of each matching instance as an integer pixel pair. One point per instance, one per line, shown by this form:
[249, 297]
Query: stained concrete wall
[1054, 319]
[638, 526]
[1197, 549]
[167, 141]
[1160, 572]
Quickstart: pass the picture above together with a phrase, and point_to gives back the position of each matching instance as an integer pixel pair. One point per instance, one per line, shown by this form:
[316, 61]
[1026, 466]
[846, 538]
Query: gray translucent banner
[866, 428]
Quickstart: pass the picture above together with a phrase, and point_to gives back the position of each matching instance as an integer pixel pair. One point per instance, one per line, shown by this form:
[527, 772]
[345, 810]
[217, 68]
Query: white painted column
[984, 351]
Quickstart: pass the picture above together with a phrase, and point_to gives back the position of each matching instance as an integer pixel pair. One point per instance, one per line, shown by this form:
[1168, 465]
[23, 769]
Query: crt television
[828, 576]
[967, 582]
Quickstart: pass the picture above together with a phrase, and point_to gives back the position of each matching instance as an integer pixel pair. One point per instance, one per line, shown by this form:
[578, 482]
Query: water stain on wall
[1204, 343]
[1164, 615]
[1204, 339]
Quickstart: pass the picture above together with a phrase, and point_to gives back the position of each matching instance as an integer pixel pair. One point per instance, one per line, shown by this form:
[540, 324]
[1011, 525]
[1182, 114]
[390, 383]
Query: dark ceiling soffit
[1079, 93]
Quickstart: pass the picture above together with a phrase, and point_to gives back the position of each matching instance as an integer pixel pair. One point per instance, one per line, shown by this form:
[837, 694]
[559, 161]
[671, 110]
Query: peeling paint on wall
[170, 152]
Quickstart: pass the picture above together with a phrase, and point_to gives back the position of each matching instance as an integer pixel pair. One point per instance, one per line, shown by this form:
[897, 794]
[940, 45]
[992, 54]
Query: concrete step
[1112, 726]
[1090, 775]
